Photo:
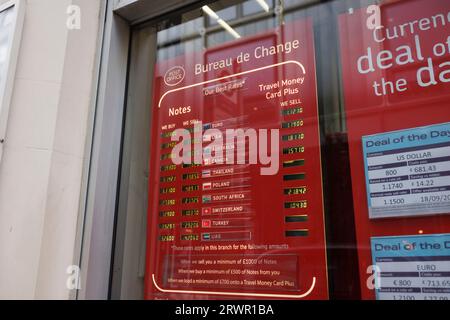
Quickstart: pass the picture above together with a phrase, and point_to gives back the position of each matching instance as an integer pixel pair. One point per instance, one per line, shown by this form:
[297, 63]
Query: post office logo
[174, 76]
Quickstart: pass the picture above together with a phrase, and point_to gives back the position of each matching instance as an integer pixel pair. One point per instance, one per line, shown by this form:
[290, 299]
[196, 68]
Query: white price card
[408, 172]
[412, 267]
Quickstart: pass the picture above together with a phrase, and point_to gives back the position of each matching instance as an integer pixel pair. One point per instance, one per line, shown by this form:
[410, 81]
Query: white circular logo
[174, 76]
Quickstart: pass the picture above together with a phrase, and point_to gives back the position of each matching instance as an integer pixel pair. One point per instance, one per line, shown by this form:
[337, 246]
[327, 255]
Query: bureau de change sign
[235, 190]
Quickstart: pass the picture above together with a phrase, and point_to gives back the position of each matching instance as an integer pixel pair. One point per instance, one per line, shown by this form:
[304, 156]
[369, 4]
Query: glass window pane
[6, 25]
[356, 94]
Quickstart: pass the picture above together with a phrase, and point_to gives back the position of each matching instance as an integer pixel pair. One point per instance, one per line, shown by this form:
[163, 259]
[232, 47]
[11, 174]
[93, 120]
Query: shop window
[350, 197]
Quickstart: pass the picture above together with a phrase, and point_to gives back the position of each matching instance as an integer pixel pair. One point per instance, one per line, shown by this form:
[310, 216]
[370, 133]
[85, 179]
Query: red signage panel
[396, 73]
[223, 227]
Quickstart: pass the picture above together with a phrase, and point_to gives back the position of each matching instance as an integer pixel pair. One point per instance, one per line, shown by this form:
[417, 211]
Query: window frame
[7, 83]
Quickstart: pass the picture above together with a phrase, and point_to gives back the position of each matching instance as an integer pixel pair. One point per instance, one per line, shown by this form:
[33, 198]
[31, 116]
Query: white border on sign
[228, 293]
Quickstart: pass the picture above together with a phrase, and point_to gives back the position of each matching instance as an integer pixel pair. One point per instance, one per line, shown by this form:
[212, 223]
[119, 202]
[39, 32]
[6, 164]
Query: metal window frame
[7, 83]
[94, 244]
[99, 200]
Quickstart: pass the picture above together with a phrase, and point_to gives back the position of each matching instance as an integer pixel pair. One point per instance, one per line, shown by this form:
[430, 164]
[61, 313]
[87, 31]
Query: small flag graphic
[206, 236]
[206, 223]
[207, 186]
[206, 173]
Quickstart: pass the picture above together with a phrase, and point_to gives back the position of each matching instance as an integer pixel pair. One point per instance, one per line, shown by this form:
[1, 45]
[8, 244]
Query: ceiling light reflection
[221, 22]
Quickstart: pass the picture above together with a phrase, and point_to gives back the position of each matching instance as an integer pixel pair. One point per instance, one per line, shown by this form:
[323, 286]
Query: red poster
[219, 229]
[396, 74]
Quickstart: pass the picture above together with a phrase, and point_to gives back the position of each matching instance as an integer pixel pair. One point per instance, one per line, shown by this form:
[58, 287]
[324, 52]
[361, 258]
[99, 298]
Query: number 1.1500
[394, 201]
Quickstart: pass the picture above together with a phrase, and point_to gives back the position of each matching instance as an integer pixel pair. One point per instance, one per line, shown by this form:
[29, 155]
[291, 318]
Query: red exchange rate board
[219, 230]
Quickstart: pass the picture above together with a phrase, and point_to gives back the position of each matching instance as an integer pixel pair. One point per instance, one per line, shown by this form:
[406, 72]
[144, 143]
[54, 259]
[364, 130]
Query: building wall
[42, 165]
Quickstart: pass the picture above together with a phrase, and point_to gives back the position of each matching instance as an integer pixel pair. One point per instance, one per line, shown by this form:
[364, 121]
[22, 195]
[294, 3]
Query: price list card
[412, 267]
[408, 171]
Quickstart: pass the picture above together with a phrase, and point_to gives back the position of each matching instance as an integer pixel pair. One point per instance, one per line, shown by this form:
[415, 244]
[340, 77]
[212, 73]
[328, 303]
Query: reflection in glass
[6, 23]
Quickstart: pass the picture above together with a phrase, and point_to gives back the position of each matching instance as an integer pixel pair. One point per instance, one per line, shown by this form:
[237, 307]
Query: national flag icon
[206, 198]
[206, 236]
[207, 186]
[206, 223]
[206, 211]
[206, 173]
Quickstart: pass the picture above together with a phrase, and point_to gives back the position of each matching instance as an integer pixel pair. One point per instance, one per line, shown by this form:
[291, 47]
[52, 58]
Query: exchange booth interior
[279, 149]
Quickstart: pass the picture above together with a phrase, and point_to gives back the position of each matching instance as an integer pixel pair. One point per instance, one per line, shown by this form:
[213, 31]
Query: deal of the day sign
[396, 74]
[412, 267]
[408, 171]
